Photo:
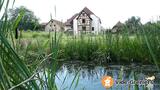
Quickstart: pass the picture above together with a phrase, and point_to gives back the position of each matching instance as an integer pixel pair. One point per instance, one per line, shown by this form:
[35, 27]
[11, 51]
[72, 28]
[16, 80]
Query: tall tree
[28, 21]
[133, 23]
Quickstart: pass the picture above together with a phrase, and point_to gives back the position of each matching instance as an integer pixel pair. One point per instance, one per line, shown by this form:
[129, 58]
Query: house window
[84, 28]
[83, 14]
[92, 28]
[83, 21]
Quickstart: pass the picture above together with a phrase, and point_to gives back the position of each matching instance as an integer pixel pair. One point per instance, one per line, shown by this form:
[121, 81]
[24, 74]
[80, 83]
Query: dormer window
[83, 21]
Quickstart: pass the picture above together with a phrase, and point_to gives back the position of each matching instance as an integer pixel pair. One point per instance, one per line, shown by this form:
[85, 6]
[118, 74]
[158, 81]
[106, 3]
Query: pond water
[89, 76]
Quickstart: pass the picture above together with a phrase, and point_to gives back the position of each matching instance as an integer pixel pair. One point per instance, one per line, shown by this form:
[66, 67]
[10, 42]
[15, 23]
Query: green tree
[152, 27]
[133, 24]
[28, 21]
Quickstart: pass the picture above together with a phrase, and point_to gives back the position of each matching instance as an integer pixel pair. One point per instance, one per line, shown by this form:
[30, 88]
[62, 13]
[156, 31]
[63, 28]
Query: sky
[109, 11]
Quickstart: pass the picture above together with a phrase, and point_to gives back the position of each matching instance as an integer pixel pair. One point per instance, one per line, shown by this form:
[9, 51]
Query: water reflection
[90, 76]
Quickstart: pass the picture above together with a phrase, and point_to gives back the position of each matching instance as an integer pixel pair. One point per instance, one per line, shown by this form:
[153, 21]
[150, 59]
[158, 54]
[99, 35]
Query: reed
[23, 61]
[119, 47]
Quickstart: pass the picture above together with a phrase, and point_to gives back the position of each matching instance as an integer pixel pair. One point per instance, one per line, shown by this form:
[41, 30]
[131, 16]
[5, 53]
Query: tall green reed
[10, 60]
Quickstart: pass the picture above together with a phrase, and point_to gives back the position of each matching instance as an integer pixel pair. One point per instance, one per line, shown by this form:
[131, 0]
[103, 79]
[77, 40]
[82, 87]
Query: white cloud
[110, 11]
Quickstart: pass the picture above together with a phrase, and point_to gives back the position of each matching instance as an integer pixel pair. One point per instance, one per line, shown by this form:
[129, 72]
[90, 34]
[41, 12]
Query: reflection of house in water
[118, 27]
[84, 22]
[53, 25]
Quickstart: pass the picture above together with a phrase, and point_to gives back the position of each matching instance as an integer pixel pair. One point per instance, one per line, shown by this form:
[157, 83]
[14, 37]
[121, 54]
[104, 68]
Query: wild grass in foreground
[116, 48]
[22, 59]
[14, 71]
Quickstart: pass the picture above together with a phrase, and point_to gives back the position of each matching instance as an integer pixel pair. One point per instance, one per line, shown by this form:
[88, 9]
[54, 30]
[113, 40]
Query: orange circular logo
[107, 81]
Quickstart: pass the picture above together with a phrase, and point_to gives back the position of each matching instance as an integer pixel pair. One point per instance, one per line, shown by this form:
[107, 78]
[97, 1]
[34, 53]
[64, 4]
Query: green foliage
[121, 48]
[15, 72]
[28, 21]
[133, 24]
[22, 60]
[10, 62]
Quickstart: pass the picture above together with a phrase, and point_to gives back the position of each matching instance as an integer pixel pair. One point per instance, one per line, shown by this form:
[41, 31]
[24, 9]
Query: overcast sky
[109, 11]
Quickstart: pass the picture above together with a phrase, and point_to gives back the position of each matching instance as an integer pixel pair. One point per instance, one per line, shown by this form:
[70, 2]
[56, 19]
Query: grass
[102, 48]
[22, 59]
[10, 61]
[107, 48]
[22, 77]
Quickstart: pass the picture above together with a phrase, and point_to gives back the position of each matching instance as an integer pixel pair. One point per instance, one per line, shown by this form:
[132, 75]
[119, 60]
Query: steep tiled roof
[43, 24]
[87, 11]
[70, 21]
[119, 24]
[58, 22]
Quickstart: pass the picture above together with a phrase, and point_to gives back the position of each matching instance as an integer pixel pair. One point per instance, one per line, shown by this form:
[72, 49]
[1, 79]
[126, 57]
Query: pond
[88, 76]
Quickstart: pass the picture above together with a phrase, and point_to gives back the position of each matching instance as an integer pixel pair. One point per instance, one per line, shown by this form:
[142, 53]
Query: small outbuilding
[118, 27]
[54, 25]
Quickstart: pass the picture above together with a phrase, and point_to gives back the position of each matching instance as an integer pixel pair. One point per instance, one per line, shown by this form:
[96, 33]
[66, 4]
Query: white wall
[48, 28]
[96, 24]
[67, 28]
[75, 26]
[52, 26]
